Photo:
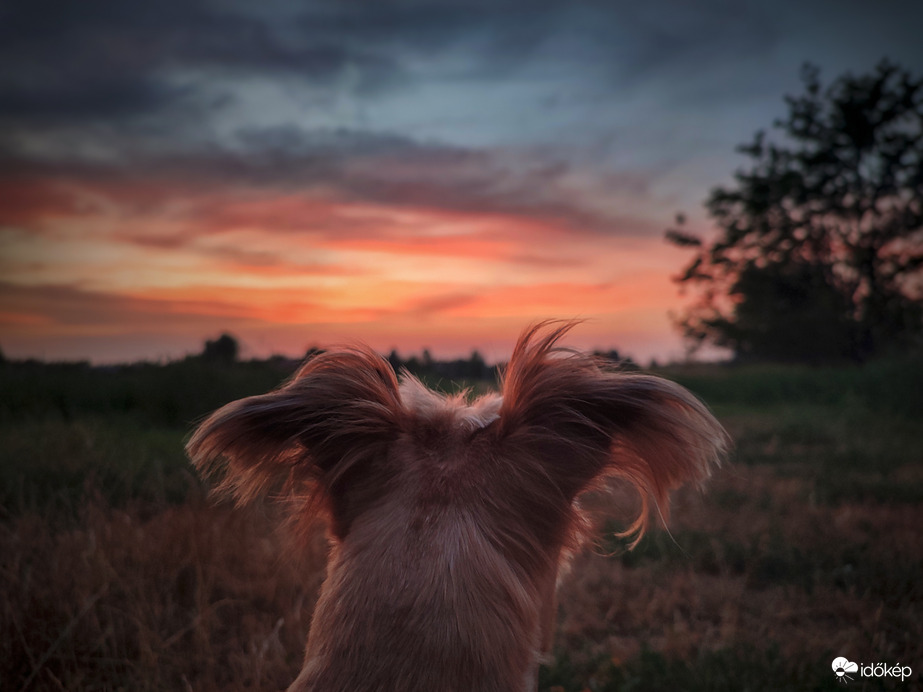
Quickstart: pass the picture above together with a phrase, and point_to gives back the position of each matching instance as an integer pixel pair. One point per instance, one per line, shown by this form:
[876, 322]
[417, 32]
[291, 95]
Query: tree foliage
[820, 249]
[223, 349]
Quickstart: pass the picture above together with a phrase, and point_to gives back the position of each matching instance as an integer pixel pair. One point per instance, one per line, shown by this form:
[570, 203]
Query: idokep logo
[842, 667]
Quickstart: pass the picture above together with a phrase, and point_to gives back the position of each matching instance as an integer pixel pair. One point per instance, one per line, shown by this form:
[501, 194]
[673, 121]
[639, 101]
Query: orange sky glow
[102, 274]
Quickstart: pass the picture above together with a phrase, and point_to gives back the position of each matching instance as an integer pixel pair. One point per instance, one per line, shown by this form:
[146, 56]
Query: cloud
[111, 62]
[59, 307]
[636, 296]
[169, 101]
[29, 204]
[54, 309]
[426, 307]
[108, 62]
[105, 59]
[286, 179]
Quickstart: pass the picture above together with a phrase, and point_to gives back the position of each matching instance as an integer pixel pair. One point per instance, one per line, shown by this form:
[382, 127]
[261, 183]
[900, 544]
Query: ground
[119, 571]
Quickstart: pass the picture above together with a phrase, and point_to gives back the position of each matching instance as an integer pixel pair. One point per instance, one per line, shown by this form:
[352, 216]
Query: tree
[223, 349]
[820, 245]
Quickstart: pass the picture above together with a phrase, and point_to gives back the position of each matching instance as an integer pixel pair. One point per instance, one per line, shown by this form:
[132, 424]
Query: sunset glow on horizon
[93, 269]
[435, 176]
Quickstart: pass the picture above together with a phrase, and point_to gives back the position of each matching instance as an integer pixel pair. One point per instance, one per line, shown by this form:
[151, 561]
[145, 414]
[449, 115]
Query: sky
[408, 174]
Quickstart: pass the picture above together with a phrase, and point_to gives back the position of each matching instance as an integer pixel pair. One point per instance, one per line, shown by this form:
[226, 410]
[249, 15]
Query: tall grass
[195, 597]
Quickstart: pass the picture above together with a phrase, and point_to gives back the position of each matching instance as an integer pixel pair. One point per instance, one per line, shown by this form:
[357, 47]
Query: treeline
[432, 371]
[474, 368]
[178, 393]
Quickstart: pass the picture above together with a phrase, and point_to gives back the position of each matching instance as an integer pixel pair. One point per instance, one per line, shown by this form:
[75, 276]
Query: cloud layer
[409, 173]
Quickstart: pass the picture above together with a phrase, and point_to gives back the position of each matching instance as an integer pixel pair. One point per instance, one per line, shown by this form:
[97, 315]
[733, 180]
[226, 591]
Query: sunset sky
[409, 174]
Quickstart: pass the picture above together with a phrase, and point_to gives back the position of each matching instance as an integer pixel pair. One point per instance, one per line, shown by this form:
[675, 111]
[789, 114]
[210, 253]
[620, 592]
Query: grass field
[119, 573]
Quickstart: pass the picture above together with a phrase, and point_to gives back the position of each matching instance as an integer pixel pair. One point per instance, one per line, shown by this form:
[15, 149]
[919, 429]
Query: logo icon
[842, 666]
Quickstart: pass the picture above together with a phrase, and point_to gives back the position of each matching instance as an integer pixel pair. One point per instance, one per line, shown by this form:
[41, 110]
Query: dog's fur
[449, 521]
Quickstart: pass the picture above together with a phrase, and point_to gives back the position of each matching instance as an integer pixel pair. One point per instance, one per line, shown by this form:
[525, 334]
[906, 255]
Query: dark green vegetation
[820, 250]
[118, 430]
[116, 571]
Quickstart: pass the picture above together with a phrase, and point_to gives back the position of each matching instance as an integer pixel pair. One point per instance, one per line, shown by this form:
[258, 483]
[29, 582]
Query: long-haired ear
[584, 424]
[337, 411]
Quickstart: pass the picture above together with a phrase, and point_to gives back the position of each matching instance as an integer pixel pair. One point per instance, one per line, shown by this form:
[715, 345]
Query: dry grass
[197, 597]
[207, 597]
[806, 583]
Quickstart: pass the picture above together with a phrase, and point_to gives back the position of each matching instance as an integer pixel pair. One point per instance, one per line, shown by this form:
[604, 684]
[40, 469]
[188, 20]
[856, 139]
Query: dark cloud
[677, 36]
[107, 91]
[499, 34]
[65, 61]
[108, 59]
[265, 156]
[342, 165]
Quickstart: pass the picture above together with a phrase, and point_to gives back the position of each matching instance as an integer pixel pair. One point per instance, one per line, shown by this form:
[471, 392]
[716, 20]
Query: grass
[196, 597]
[117, 571]
[54, 463]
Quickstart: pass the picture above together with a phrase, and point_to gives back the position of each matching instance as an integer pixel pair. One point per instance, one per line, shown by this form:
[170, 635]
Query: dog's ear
[328, 425]
[583, 424]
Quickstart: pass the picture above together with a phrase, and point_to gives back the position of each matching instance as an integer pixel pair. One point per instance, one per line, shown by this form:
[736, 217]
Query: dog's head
[443, 510]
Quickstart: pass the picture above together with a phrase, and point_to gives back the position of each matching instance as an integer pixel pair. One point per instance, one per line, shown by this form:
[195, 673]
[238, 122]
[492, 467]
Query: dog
[450, 520]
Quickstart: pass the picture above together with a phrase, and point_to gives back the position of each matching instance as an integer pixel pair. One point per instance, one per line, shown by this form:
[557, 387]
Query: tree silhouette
[820, 249]
[223, 349]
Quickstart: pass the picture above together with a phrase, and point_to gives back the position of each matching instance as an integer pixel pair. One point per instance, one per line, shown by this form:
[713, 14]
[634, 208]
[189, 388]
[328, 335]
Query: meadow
[120, 572]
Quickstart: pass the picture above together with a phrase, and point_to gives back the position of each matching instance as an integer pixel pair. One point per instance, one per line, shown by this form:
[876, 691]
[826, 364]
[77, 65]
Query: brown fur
[449, 521]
